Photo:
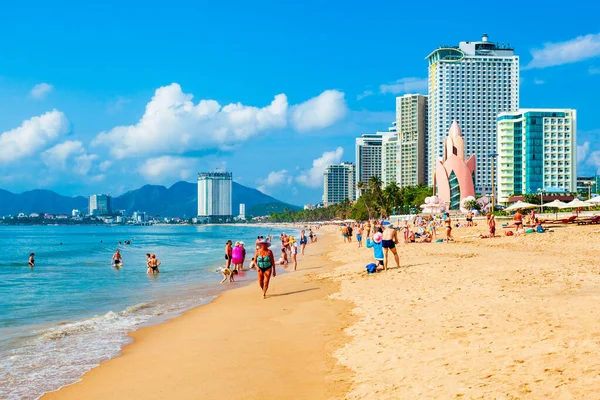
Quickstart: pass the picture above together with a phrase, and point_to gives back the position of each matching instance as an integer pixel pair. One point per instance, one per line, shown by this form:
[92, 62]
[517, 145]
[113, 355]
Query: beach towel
[371, 268]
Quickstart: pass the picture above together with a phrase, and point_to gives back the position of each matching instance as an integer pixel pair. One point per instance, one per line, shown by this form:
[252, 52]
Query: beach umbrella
[520, 205]
[555, 204]
[576, 203]
[594, 200]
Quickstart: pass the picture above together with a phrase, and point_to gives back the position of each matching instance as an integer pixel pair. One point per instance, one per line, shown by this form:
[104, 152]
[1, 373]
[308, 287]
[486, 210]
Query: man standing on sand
[492, 224]
[389, 242]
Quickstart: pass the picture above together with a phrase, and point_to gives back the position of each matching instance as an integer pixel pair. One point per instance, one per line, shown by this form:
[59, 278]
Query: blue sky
[105, 97]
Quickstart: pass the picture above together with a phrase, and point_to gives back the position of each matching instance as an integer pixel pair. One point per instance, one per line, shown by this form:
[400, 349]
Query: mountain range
[180, 200]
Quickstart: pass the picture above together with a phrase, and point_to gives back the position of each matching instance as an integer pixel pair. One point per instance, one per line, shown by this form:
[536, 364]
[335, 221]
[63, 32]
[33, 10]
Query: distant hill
[179, 200]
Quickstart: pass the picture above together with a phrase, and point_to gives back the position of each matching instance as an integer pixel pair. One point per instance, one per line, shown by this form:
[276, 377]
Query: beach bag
[371, 268]
[509, 233]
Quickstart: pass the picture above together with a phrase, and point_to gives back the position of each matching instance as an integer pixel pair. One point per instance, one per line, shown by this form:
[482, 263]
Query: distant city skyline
[106, 103]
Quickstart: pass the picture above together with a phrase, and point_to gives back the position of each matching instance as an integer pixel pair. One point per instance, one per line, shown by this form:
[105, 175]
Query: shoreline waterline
[69, 347]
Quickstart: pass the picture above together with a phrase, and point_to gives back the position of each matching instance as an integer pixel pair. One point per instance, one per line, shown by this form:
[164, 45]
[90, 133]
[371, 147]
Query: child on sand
[227, 273]
[375, 244]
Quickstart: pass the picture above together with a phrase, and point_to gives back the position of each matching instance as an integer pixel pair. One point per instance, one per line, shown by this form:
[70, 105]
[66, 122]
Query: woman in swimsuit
[303, 241]
[32, 260]
[266, 265]
[448, 222]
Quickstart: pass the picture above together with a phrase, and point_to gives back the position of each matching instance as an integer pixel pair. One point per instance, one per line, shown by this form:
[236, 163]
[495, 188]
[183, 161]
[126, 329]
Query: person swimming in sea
[32, 260]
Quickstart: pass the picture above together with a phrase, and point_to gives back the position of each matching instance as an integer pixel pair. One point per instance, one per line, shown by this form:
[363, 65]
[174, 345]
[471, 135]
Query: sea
[73, 310]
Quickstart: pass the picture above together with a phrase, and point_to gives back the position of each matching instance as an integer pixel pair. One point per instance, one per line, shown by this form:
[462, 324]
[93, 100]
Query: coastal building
[471, 83]
[214, 194]
[309, 207]
[75, 213]
[455, 177]
[536, 151]
[368, 157]
[242, 211]
[139, 216]
[339, 183]
[389, 160]
[100, 204]
[412, 129]
[587, 186]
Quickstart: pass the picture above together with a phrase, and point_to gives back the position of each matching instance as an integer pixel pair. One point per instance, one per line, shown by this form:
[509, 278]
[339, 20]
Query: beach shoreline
[296, 333]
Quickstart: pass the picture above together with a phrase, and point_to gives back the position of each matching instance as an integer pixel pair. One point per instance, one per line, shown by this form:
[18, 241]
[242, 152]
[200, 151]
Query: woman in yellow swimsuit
[265, 262]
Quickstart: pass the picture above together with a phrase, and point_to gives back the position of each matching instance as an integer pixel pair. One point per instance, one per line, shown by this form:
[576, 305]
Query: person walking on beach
[492, 224]
[32, 260]
[349, 233]
[310, 235]
[266, 265]
[294, 251]
[228, 251]
[448, 222]
[303, 241]
[117, 259]
[359, 233]
[389, 242]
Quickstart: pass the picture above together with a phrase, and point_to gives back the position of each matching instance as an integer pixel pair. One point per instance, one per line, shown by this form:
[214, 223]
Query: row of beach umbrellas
[575, 203]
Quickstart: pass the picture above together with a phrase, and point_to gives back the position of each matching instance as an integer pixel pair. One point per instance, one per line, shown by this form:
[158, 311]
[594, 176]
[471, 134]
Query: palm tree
[391, 195]
[375, 187]
[360, 186]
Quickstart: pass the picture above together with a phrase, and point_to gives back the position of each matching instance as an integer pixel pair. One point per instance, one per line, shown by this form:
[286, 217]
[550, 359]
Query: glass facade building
[368, 157]
[536, 151]
[100, 204]
[214, 194]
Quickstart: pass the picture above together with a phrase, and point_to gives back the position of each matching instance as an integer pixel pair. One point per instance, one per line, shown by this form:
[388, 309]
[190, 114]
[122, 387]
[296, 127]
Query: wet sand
[237, 347]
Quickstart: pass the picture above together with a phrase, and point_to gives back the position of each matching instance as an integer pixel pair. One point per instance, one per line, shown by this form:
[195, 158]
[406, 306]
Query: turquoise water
[73, 310]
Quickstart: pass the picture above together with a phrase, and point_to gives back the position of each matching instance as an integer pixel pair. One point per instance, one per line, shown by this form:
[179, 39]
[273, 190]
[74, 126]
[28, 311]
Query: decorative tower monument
[455, 177]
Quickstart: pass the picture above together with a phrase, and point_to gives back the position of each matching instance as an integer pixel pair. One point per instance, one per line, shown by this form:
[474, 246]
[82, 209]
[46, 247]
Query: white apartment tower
[214, 194]
[368, 157]
[537, 150]
[389, 160]
[411, 126]
[339, 183]
[471, 83]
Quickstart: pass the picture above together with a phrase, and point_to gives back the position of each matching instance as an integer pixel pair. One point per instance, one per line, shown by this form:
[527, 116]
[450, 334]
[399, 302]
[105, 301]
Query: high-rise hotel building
[100, 204]
[536, 151]
[413, 150]
[471, 83]
[214, 194]
[339, 183]
[368, 157]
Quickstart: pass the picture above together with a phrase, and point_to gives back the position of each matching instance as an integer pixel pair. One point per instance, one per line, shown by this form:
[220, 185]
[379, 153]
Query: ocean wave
[60, 355]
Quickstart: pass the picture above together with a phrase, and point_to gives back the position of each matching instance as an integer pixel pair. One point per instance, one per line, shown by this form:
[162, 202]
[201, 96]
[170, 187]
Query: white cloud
[319, 112]
[538, 81]
[33, 135]
[118, 104]
[41, 91]
[105, 165]
[568, 52]
[594, 71]
[582, 152]
[172, 123]
[161, 169]
[405, 85]
[83, 163]
[314, 176]
[58, 156]
[276, 178]
[364, 94]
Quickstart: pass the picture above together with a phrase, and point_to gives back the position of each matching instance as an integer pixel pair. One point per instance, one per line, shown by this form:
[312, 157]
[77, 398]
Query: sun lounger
[569, 220]
[593, 220]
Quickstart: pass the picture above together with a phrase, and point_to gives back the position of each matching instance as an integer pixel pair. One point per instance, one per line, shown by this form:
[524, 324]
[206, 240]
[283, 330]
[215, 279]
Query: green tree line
[374, 202]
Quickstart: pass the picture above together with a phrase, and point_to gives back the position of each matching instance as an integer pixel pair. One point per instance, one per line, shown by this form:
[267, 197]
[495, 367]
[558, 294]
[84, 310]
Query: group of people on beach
[152, 263]
[264, 259]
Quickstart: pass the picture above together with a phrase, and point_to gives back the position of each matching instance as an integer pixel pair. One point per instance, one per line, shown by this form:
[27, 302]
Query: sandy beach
[505, 318]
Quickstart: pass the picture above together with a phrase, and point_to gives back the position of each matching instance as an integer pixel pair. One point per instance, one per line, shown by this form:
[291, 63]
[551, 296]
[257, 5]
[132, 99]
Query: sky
[104, 97]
